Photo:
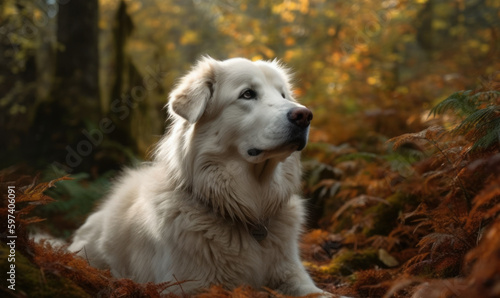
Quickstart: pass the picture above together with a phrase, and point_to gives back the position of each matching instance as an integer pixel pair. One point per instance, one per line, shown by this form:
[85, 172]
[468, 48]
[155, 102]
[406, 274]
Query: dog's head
[243, 105]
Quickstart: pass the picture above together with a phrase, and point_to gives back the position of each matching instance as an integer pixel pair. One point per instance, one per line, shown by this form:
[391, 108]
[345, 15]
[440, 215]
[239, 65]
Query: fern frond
[400, 285]
[357, 155]
[361, 200]
[491, 136]
[464, 103]
[431, 133]
[482, 113]
[435, 240]
[478, 118]
[416, 260]
[458, 101]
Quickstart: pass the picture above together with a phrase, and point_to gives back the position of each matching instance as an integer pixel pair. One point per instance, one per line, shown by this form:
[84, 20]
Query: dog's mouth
[254, 152]
[295, 140]
[290, 146]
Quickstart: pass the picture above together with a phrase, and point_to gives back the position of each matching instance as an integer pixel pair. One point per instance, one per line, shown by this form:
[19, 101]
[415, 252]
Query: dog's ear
[190, 98]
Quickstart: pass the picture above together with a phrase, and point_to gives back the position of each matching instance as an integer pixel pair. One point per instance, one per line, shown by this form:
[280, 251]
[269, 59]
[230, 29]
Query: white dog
[218, 204]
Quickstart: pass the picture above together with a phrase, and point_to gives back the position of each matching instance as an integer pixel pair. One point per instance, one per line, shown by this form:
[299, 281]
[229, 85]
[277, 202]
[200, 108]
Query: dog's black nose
[300, 116]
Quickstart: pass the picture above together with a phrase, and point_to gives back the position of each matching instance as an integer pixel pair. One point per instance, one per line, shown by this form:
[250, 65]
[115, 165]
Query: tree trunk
[125, 77]
[73, 105]
[77, 62]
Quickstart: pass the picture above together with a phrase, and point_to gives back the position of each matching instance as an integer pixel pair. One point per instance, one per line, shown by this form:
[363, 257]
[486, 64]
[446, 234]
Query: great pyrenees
[219, 203]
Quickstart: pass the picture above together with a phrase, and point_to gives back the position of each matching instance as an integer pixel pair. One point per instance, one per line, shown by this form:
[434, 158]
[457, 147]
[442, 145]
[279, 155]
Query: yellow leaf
[484, 48]
[289, 54]
[190, 37]
[331, 31]
[439, 24]
[402, 90]
[257, 57]
[267, 52]
[372, 80]
[289, 41]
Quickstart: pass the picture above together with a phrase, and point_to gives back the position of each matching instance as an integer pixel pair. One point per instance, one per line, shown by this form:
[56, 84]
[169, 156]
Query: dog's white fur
[189, 215]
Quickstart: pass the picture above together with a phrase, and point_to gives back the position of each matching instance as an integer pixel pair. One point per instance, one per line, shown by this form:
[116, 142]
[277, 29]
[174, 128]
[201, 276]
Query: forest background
[401, 172]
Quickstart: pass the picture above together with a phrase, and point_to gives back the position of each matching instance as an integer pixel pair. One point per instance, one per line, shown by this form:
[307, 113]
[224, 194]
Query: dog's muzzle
[299, 119]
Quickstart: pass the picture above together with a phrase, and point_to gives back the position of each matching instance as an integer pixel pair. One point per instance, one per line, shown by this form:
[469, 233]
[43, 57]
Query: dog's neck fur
[227, 184]
[242, 192]
[265, 170]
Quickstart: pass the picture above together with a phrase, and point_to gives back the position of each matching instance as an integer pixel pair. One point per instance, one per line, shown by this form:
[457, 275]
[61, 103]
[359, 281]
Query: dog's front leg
[292, 279]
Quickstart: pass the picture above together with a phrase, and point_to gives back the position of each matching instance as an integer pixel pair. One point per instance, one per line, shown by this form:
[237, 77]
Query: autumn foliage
[421, 228]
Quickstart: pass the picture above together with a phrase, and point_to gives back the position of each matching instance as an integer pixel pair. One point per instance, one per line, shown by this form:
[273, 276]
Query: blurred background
[402, 171]
[83, 83]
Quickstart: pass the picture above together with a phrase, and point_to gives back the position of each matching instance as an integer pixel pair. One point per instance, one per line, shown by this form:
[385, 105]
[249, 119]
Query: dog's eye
[248, 94]
[283, 95]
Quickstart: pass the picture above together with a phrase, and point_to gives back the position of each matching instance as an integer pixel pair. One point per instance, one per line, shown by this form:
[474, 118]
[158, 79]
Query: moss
[343, 223]
[385, 216]
[346, 262]
[32, 282]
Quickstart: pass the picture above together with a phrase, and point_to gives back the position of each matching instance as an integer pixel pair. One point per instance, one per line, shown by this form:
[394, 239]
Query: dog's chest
[205, 245]
[261, 251]
[257, 258]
